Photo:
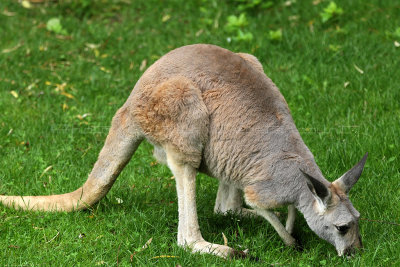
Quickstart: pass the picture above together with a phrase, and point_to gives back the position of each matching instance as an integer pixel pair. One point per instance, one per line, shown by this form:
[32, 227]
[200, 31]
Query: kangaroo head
[332, 215]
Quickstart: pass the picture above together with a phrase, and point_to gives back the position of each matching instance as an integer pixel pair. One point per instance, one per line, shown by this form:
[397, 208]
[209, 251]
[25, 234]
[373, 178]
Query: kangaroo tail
[123, 139]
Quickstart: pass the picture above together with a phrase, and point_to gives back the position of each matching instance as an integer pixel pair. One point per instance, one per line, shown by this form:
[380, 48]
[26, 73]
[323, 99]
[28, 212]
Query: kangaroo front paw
[298, 245]
[290, 241]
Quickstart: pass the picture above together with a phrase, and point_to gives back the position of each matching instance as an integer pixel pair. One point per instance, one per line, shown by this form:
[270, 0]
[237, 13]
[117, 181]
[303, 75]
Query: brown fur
[160, 114]
[338, 192]
[255, 199]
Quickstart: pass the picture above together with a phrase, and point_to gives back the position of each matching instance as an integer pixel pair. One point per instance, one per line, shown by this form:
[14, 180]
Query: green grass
[100, 59]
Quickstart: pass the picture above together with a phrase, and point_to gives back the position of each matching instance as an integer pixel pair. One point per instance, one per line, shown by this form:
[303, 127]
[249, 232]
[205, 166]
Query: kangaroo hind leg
[175, 119]
[189, 235]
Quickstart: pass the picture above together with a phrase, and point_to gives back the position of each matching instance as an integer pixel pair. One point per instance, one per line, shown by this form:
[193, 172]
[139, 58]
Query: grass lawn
[62, 81]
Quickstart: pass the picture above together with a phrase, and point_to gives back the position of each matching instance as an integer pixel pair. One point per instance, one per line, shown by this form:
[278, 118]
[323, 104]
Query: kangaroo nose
[358, 243]
[349, 251]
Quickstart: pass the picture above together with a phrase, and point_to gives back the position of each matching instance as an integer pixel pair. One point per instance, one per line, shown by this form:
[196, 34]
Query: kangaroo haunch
[207, 109]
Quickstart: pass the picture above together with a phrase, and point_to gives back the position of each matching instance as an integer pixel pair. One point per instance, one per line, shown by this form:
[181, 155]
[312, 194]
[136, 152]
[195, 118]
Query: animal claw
[238, 254]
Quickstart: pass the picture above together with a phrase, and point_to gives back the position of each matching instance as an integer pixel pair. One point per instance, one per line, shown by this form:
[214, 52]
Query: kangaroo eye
[342, 229]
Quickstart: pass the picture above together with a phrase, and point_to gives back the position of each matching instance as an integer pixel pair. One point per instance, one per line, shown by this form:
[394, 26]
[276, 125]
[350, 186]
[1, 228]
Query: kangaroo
[207, 109]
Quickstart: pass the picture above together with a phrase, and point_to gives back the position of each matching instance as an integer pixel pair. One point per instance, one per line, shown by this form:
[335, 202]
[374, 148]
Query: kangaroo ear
[317, 188]
[348, 179]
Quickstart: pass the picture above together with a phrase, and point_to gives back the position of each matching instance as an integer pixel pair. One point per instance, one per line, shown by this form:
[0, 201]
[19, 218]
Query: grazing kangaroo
[207, 109]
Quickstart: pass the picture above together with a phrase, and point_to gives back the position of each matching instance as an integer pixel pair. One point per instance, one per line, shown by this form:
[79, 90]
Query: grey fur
[208, 109]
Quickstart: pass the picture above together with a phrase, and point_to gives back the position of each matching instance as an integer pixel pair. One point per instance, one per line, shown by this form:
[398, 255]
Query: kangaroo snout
[352, 249]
